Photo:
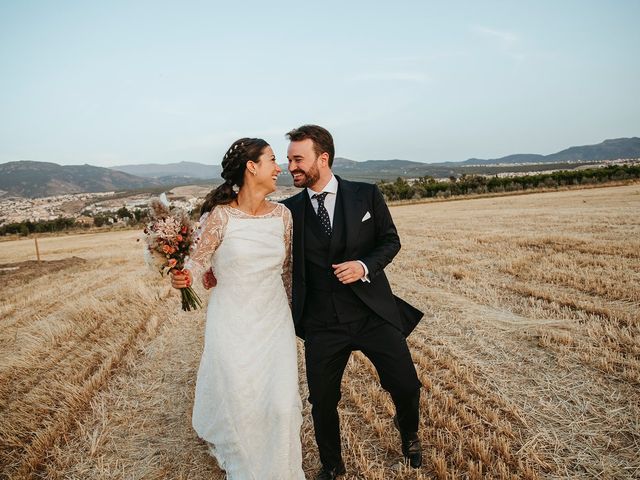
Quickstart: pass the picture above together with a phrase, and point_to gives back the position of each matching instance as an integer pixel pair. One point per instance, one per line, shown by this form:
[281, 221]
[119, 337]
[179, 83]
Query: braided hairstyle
[234, 164]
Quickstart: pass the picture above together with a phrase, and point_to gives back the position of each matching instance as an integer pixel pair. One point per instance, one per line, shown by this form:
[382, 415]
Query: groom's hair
[321, 138]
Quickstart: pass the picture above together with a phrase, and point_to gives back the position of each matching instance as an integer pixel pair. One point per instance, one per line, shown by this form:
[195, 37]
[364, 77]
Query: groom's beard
[308, 178]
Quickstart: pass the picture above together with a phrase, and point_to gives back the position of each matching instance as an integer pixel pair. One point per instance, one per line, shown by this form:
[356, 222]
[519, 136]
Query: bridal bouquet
[169, 237]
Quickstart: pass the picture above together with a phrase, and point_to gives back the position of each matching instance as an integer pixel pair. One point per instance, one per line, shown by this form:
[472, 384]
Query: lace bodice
[212, 231]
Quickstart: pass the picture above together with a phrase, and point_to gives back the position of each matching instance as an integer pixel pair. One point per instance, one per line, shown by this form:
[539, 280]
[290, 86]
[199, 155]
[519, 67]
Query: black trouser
[327, 350]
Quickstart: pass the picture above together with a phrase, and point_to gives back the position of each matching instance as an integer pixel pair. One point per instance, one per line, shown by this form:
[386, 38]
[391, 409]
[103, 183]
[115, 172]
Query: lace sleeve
[198, 232]
[208, 238]
[287, 264]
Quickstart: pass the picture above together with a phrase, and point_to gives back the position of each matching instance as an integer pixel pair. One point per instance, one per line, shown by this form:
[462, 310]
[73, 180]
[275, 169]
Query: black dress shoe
[411, 447]
[331, 473]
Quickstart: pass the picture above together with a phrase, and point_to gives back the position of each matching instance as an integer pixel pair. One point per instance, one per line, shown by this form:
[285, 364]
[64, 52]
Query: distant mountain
[374, 170]
[607, 150]
[345, 164]
[37, 179]
[174, 170]
[509, 159]
[42, 179]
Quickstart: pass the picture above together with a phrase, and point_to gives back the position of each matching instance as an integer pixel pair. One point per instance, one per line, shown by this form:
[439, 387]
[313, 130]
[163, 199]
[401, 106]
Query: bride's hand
[209, 280]
[181, 278]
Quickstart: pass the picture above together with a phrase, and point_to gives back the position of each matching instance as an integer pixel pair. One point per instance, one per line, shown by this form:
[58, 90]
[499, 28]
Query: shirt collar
[330, 187]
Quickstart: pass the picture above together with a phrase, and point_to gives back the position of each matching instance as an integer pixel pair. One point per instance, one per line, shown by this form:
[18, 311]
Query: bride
[247, 406]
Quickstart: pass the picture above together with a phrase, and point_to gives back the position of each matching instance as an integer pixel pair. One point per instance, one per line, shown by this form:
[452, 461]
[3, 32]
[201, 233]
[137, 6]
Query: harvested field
[529, 351]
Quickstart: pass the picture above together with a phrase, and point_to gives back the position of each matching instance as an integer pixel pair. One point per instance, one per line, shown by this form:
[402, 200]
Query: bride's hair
[234, 164]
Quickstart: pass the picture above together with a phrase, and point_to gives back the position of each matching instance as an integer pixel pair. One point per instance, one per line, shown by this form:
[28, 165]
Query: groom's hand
[348, 272]
[209, 280]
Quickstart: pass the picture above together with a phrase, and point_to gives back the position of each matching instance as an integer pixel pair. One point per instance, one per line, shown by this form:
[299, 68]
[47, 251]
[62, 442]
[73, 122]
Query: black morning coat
[374, 241]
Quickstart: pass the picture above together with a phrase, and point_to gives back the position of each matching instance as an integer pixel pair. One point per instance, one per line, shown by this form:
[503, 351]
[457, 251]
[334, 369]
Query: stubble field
[529, 351]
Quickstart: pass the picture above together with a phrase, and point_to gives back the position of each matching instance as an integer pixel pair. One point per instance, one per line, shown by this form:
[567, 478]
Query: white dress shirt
[330, 200]
[330, 204]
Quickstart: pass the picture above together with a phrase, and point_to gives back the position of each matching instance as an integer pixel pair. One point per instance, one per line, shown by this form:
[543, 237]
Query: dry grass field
[529, 351]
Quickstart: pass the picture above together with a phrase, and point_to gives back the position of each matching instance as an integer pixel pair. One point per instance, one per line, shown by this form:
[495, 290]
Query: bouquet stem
[190, 299]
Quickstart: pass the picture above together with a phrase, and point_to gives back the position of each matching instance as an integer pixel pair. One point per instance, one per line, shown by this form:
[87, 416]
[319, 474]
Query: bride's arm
[287, 264]
[208, 239]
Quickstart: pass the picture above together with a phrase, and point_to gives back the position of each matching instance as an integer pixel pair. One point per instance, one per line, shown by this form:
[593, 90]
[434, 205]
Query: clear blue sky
[122, 82]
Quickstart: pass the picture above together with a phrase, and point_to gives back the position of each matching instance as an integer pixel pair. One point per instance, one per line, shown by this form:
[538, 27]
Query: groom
[343, 238]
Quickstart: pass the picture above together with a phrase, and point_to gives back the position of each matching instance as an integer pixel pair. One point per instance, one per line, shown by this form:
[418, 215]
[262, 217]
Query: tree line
[429, 187]
[133, 217]
[136, 217]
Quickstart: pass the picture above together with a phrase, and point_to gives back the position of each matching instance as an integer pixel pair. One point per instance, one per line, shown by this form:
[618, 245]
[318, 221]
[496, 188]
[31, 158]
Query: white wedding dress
[247, 404]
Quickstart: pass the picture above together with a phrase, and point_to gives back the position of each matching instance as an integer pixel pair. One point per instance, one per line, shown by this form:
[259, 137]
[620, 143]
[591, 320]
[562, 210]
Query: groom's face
[303, 163]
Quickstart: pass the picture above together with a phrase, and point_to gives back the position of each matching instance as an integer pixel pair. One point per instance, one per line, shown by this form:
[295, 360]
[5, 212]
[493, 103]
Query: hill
[43, 179]
[612, 149]
[374, 170]
[172, 170]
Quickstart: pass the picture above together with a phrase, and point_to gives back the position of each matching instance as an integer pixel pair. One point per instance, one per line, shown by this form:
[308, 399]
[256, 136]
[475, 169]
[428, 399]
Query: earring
[255, 172]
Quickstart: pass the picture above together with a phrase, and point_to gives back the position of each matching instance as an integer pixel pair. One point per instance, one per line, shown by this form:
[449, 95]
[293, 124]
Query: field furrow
[529, 351]
[37, 415]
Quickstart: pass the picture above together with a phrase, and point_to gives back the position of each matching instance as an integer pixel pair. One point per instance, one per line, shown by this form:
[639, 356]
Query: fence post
[35, 238]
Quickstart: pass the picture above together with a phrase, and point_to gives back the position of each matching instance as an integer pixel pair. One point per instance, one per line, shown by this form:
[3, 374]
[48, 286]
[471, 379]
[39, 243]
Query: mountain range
[608, 150]
[179, 169]
[38, 179]
[27, 178]
[372, 170]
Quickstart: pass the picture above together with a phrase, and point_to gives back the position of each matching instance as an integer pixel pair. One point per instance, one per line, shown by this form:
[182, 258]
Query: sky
[130, 82]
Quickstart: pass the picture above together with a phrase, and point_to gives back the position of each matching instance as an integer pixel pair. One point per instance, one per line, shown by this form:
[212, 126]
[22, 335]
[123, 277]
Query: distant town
[85, 207]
